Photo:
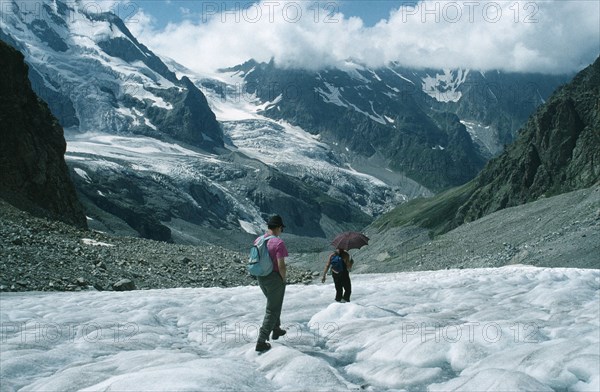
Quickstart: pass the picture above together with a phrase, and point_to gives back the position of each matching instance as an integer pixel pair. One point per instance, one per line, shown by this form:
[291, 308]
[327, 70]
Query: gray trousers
[273, 287]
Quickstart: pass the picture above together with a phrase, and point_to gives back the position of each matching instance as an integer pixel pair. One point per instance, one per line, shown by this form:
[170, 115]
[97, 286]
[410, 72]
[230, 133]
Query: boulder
[124, 285]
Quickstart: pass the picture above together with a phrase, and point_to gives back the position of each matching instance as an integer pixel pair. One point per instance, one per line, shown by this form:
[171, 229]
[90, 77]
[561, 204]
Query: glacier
[512, 328]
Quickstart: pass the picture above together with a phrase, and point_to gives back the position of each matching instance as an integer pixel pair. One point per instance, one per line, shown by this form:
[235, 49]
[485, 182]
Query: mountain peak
[96, 75]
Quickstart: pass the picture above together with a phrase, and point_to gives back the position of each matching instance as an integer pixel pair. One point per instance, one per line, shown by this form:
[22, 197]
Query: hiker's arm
[326, 269]
[282, 268]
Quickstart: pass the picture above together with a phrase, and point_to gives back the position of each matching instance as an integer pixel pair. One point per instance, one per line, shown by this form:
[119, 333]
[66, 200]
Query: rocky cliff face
[500, 101]
[557, 151]
[33, 173]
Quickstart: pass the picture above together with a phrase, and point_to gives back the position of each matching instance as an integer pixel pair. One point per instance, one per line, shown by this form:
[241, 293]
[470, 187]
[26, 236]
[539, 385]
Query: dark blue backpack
[337, 264]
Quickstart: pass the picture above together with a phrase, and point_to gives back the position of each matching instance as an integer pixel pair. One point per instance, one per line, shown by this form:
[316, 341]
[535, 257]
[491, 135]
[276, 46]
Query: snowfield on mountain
[513, 328]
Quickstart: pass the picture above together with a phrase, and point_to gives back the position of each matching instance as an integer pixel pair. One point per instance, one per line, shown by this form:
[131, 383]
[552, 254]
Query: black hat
[275, 221]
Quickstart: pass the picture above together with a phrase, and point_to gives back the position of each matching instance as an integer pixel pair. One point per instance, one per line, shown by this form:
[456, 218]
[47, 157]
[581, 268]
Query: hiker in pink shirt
[273, 285]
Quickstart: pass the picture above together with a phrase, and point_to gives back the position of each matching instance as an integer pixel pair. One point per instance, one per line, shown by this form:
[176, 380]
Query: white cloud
[142, 26]
[546, 36]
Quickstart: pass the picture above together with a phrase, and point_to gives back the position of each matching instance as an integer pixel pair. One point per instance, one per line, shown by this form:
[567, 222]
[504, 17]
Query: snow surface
[353, 69]
[484, 135]
[400, 76]
[83, 174]
[513, 328]
[157, 158]
[91, 242]
[248, 227]
[287, 147]
[444, 87]
[145, 153]
[332, 95]
[292, 150]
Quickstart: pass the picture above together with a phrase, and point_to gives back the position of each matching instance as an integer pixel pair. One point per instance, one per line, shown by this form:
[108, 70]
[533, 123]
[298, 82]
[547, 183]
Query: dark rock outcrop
[504, 100]
[33, 173]
[303, 206]
[190, 120]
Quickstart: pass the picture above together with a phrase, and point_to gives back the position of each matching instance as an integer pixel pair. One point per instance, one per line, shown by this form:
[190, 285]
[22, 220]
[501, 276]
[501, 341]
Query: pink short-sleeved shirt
[277, 250]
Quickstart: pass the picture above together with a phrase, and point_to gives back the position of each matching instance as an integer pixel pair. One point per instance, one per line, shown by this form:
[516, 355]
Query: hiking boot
[277, 332]
[261, 347]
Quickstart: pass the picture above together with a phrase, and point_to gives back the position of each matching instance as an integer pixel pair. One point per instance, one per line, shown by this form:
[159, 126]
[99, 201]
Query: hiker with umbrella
[341, 263]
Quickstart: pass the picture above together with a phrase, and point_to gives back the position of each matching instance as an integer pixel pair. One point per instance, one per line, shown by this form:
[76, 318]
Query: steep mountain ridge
[557, 151]
[33, 173]
[499, 103]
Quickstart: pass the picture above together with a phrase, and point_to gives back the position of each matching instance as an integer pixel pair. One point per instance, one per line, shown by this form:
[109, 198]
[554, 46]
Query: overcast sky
[536, 36]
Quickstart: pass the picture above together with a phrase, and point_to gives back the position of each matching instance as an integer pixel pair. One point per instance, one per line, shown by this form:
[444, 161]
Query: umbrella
[350, 240]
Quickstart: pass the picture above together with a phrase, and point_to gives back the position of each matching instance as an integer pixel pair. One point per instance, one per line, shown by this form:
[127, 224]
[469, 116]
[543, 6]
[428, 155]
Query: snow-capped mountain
[438, 127]
[152, 155]
[96, 76]
[147, 153]
[272, 166]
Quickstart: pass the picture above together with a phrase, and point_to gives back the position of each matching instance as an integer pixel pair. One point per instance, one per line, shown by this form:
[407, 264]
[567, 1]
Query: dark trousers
[273, 287]
[343, 286]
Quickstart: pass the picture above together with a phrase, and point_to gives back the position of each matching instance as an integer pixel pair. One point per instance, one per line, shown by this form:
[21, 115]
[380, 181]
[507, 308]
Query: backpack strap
[267, 238]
